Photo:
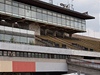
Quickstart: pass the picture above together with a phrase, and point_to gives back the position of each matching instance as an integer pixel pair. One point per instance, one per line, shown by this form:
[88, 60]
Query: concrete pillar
[70, 35]
[35, 27]
[46, 30]
[55, 33]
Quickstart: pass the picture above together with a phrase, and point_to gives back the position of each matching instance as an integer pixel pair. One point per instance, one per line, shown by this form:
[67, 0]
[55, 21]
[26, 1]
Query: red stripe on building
[23, 66]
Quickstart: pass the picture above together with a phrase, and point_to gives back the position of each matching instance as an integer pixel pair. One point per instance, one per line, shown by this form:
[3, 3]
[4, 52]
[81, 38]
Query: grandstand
[77, 42]
[38, 38]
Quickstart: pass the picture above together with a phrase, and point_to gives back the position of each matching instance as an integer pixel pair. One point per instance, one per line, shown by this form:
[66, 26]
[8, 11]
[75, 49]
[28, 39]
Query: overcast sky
[93, 8]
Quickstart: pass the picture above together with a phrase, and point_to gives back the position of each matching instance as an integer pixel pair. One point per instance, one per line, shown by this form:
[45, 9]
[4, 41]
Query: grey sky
[93, 8]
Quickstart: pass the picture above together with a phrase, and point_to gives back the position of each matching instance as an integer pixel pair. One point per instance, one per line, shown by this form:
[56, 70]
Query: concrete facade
[17, 64]
[33, 48]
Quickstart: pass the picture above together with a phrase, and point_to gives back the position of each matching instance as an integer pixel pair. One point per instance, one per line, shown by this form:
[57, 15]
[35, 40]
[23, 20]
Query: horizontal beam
[42, 49]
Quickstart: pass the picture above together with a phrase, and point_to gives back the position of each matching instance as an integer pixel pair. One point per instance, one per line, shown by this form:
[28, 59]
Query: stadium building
[35, 36]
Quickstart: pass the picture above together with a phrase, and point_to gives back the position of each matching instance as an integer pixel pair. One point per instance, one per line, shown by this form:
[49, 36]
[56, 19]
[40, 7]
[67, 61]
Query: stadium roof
[55, 8]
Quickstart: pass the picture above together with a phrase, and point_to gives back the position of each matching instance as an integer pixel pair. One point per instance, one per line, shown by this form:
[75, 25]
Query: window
[15, 10]
[17, 54]
[72, 24]
[50, 19]
[15, 3]
[59, 20]
[63, 21]
[33, 8]
[21, 12]
[39, 55]
[2, 1]
[29, 55]
[33, 55]
[21, 5]
[27, 13]
[1, 6]
[25, 54]
[76, 25]
[16, 38]
[5, 53]
[21, 54]
[45, 17]
[1, 37]
[31, 41]
[39, 15]
[27, 7]
[23, 39]
[8, 38]
[8, 2]
[43, 56]
[36, 55]
[34, 14]
[8, 8]
[54, 19]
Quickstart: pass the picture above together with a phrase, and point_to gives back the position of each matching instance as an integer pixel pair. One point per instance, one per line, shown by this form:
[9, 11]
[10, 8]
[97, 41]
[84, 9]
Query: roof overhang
[55, 8]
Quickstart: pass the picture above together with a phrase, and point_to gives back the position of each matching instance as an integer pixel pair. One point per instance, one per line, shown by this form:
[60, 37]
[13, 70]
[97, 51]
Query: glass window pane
[72, 24]
[39, 10]
[1, 7]
[8, 2]
[8, 8]
[59, 20]
[21, 5]
[17, 54]
[23, 39]
[63, 21]
[33, 14]
[50, 18]
[39, 16]
[5, 53]
[33, 8]
[27, 7]
[54, 19]
[21, 11]
[31, 41]
[2, 1]
[29, 55]
[8, 38]
[1, 37]
[16, 39]
[33, 54]
[25, 54]
[15, 10]
[21, 54]
[15, 3]
[45, 17]
[28, 13]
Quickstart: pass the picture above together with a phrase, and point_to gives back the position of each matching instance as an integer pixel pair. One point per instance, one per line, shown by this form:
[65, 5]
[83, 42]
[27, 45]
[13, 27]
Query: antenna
[63, 5]
[69, 5]
[51, 1]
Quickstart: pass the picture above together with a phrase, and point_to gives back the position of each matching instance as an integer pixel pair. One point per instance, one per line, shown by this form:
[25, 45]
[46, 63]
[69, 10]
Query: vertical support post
[70, 35]
[55, 33]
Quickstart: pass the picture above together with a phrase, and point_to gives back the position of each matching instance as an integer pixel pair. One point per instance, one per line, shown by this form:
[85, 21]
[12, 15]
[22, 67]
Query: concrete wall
[35, 27]
[51, 66]
[18, 64]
